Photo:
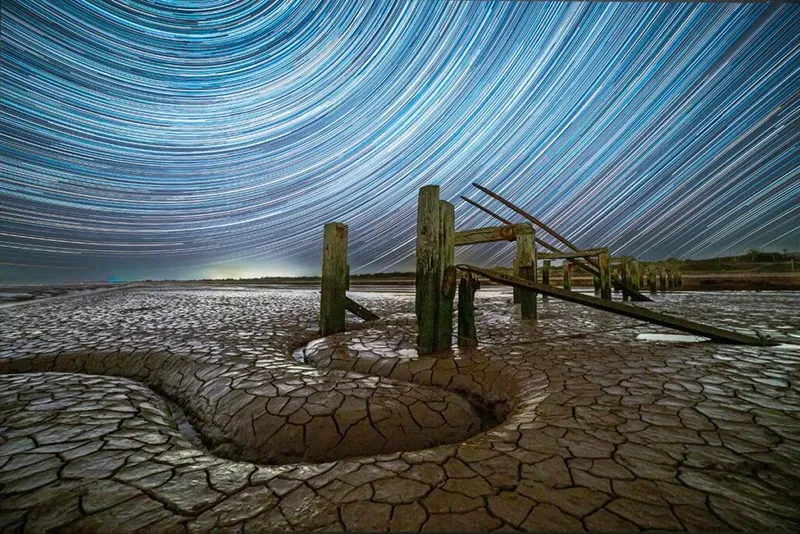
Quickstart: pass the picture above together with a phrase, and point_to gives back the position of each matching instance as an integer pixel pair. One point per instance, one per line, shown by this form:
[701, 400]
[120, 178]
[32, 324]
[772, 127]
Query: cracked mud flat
[589, 428]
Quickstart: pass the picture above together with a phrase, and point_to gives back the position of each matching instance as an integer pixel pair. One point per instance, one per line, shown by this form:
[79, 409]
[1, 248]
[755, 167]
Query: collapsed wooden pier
[437, 276]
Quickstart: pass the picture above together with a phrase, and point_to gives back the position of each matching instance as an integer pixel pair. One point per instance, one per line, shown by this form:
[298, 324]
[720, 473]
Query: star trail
[178, 139]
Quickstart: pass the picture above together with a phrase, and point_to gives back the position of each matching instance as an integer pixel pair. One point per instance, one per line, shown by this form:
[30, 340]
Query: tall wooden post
[566, 268]
[596, 284]
[545, 277]
[662, 280]
[334, 279]
[526, 254]
[605, 275]
[516, 273]
[429, 265]
[467, 333]
[635, 274]
[680, 279]
[624, 275]
[447, 230]
[651, 279]
[670, 279]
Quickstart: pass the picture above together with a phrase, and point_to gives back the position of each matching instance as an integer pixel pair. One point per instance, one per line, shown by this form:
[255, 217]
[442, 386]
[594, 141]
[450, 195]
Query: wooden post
[467, 334]
[447, 230]
[516, 273]
[651, 279]
[605, 275]
[680, 279]
[566, 268]
[596, 284]
[635, 274]
[334, 279]
[624, 275]
[662, 280]
[429, 265]
[670, 279]
[526, 256]
[545, 277]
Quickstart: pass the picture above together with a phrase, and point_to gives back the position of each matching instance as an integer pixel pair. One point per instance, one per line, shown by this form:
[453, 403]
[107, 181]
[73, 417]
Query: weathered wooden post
[680, 279]
[526, 254]
[662, 280]
[596, 284]
[545, 277]
[605, 275]
[429, 265]
[670, 279]
[635, 274]
[624, 275]
[566, 269]
[447, 230]
[651, 278]
[467, 333]
[334, 279]
[516, 273]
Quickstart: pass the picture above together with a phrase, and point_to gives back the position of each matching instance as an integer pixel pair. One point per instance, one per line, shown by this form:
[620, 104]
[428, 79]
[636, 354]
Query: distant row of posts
[653, 277]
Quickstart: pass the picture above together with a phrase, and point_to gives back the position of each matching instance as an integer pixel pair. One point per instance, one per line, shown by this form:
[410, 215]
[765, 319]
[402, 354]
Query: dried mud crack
[535, 430]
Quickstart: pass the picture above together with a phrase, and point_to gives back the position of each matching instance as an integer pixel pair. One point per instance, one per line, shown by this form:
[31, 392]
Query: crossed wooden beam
[583, 258]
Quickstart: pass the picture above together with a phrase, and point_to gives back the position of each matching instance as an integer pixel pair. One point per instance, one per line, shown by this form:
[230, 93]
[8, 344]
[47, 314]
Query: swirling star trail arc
[178, 138]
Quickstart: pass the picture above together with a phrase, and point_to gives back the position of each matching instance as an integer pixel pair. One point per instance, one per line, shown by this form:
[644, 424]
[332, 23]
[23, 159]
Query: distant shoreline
[726, 281]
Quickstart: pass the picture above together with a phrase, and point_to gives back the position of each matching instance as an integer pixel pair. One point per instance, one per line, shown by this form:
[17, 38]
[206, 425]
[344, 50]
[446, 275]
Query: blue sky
[182, 139]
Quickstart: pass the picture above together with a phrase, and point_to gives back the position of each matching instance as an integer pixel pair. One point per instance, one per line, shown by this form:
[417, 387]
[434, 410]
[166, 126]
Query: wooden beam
[539, 242]
[487, 210]
[491, 234]
[334, 279]
[670, 321]
[590, 253]
[593, 266]
[357, 309]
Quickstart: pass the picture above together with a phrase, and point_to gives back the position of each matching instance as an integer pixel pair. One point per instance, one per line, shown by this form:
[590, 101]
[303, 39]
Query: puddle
[672, 338]
[184, 426]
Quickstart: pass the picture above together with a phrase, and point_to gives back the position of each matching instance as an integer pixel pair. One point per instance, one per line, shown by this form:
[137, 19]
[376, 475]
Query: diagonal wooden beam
[357, 309]
[527, 215]
[670, 321]
[636, 295]
[548, 246]
[487, 210]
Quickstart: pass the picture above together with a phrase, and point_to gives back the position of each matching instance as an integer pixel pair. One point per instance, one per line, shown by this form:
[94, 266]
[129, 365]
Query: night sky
[189, 139]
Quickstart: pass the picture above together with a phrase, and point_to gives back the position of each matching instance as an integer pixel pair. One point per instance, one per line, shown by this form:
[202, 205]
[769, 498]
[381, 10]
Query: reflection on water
[673, 338]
